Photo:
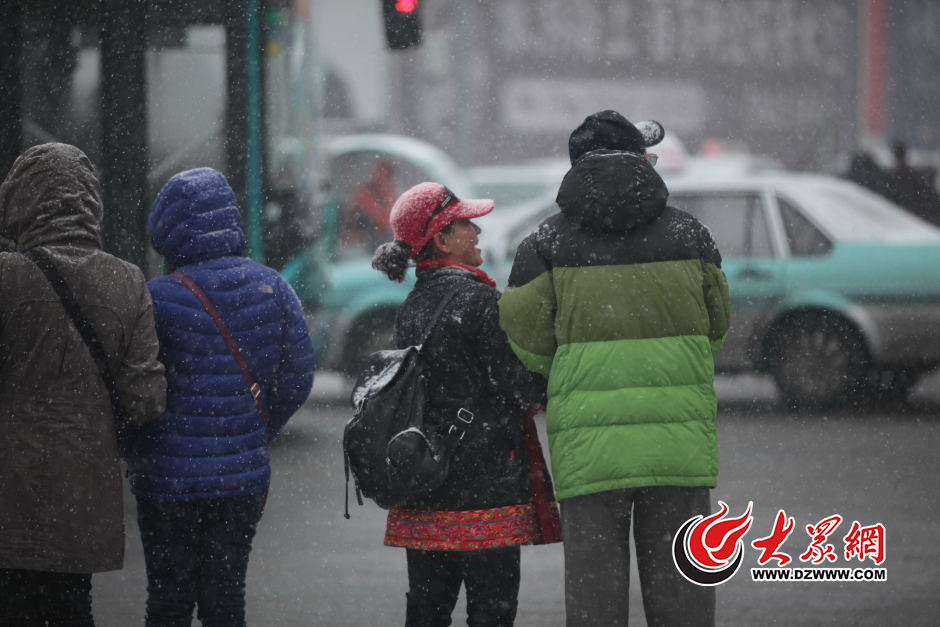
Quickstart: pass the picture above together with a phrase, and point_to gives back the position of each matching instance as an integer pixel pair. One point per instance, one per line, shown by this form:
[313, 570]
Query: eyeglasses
[652, 158]
[449, 197]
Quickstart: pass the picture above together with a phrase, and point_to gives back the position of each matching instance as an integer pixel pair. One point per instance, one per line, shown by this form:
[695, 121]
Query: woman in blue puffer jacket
[200, 470]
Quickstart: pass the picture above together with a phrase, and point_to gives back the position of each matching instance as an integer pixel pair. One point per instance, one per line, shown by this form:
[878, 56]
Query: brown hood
[51, 195]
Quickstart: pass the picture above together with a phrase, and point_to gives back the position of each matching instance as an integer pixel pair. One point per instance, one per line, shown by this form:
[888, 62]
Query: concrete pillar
[123, 111]
[11, 84]
[236, 104]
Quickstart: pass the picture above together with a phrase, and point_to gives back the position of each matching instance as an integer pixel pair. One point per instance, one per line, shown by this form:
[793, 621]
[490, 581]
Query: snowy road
[312, 567]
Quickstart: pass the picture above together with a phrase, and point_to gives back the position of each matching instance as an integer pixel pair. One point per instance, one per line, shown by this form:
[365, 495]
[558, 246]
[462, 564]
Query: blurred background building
[150, 87]
[798, 81]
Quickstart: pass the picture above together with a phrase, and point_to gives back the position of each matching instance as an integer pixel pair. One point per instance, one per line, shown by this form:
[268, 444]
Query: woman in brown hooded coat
[61, 511]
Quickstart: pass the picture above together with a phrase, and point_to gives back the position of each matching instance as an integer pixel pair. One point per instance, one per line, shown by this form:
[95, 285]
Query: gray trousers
[597, 557]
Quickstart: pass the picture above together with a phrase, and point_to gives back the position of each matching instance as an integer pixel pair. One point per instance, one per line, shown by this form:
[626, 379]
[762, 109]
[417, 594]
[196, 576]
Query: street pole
[254, 175]
[464, 131]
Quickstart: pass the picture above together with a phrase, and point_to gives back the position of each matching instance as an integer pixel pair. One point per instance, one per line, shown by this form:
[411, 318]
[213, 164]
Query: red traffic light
[402, 23]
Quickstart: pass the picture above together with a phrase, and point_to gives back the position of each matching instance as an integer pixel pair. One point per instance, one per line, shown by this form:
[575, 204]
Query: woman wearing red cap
[470, 528]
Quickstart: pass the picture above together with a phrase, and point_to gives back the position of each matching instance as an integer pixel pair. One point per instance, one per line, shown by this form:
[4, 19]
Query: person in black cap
[608, 130]
[621, 302]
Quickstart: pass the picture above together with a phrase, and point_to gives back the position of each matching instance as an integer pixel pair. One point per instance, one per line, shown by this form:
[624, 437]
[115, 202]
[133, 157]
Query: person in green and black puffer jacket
[621, 302]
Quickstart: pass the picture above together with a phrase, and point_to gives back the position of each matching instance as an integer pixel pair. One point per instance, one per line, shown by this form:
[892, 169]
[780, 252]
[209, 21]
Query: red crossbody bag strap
[253, 387]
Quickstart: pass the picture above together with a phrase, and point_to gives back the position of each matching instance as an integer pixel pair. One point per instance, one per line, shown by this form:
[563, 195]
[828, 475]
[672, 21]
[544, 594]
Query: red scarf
[436, 262]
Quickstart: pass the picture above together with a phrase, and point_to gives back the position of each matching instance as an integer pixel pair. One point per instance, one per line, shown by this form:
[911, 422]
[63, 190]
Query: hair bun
[391, 259]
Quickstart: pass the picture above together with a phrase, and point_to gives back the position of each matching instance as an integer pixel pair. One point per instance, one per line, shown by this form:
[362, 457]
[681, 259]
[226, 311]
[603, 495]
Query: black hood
[611, 190]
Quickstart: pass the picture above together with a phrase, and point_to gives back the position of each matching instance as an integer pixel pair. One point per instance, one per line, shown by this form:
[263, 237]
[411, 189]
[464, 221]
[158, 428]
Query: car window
[845, 211]
[737, 221]
[366, 185]
[804, 238]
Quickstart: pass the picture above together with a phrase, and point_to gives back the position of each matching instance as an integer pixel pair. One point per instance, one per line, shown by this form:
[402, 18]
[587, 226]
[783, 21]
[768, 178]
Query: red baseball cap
[421, 212]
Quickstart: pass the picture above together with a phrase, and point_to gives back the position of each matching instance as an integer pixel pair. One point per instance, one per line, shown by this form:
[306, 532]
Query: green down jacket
[621, 302]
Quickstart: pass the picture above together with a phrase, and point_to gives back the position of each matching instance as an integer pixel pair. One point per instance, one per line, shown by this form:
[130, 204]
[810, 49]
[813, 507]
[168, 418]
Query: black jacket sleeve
[504, 376]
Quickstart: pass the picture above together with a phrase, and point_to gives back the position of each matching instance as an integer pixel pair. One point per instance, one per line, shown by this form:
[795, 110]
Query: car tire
[369, 333]
[819, 362]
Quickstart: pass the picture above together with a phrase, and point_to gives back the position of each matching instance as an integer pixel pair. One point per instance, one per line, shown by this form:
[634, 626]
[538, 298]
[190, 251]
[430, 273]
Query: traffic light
[402, 23]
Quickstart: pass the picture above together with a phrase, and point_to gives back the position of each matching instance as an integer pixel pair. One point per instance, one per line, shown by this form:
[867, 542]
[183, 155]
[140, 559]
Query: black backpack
[394, 457]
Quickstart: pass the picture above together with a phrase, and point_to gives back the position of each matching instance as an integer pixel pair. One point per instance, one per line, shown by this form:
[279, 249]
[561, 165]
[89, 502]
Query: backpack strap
[436, 316]
[82, 325]
[457, 426]
[253, 387]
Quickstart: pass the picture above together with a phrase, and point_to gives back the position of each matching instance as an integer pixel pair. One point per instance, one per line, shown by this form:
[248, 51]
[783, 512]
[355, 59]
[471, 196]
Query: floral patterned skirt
[469, 530]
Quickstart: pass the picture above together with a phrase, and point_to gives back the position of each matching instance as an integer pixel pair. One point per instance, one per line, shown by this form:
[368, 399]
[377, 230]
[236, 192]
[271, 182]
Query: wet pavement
[310, 566]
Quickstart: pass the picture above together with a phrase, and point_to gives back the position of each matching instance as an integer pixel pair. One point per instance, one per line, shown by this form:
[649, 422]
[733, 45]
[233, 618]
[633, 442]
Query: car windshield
[855, 215]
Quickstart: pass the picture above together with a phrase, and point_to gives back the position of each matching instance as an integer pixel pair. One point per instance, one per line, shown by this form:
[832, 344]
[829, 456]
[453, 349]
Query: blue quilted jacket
[211, 441]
